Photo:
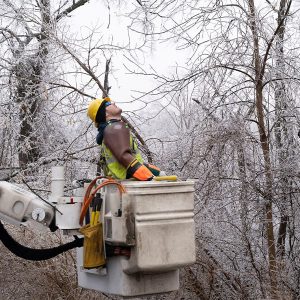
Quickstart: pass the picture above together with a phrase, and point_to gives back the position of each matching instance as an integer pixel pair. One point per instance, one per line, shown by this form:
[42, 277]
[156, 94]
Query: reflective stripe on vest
[112, 167]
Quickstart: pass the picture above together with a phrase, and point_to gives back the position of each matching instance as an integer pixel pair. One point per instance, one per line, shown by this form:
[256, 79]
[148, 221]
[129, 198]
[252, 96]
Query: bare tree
[244, 85]
[26, 44]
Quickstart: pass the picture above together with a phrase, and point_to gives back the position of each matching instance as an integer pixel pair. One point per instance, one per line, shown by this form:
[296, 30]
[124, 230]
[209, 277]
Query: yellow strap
[97, 216]
[165, 178]
[93, 214]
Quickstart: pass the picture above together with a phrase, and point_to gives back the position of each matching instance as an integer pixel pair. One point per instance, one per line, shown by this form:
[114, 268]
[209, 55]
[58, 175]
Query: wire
[89, 197]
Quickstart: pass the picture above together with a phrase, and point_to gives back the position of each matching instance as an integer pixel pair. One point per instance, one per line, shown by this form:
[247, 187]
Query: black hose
[35, 254]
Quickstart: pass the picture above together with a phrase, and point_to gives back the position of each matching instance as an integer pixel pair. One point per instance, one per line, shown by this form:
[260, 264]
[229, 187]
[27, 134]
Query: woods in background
[233, 120]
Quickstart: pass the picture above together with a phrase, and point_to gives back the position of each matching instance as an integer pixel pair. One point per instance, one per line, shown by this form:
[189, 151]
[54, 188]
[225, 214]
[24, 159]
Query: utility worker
[122, 159]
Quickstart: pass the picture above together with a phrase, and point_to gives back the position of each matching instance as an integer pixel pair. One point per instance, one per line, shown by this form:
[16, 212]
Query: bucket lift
[154, 219]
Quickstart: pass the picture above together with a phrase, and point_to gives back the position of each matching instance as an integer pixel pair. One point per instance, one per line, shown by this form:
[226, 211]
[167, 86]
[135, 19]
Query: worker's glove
[138, 171]
[154, 169]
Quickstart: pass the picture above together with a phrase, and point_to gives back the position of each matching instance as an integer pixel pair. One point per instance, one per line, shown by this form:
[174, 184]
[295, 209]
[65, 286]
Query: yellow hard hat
[94, 107]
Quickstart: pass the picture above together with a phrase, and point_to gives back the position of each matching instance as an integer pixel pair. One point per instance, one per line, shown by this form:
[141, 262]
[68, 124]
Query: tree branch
[139, 2]
[106, 87]
[272, 39]
[71, 8]
[85, 68]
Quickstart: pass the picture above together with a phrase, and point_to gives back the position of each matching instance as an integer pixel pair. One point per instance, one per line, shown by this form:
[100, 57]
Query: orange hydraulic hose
[87, 202]
[90, 187]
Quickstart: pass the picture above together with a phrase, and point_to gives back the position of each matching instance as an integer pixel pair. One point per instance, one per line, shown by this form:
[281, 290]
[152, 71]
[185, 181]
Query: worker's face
[112, 110]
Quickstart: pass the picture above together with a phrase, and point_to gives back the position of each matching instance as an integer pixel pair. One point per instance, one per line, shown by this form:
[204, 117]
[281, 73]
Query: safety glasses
[107, 104]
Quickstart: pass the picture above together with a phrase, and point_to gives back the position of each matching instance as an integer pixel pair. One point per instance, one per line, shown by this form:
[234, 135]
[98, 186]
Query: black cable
[35, 254]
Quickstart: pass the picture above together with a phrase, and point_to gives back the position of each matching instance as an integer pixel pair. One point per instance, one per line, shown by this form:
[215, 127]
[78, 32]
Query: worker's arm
[117, 139]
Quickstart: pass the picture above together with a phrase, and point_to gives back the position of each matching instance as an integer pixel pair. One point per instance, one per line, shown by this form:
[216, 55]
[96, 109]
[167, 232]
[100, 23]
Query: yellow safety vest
[112, 167]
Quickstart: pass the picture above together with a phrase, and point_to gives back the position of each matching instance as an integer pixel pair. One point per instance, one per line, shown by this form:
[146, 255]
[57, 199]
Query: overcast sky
[114, 25]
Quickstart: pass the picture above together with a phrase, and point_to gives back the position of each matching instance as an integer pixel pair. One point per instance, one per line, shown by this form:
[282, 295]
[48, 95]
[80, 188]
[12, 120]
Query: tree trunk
[264, 142]
[29, 79]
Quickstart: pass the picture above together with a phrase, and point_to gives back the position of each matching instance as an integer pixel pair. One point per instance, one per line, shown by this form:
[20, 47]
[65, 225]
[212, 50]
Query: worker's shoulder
[116, 127]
